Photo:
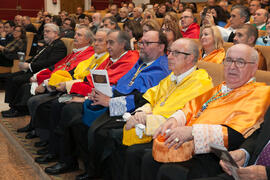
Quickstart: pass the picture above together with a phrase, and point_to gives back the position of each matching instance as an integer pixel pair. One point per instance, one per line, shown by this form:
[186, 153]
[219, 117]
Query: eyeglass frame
[147, 43]
[175, 53]
[244, 63]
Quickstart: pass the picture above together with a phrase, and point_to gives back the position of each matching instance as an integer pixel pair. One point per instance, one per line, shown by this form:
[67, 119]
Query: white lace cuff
[205, 134]
[118, 106]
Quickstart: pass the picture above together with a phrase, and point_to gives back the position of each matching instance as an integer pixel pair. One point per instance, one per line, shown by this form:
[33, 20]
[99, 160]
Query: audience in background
[9, 52]
[28, 26]
[265, 40]
[189, 28]
[171, 30]
[134, 29]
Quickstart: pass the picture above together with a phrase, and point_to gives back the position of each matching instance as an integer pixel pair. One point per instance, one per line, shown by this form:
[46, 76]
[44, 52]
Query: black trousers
[17, 88]
[61, 115]
[199, 166]
[133, 160]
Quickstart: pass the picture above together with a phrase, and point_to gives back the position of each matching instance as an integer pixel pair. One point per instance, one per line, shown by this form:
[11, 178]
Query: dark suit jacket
[49, 56]
[257, 141]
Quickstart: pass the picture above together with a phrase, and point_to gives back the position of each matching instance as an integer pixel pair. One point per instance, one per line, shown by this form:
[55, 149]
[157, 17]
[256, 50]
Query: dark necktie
[264, 156]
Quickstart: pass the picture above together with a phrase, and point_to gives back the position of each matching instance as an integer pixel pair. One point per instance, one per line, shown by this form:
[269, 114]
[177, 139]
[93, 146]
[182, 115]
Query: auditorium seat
[69, 44]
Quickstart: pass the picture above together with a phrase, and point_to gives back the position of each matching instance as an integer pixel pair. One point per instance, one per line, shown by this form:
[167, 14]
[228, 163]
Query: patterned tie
[264, 157]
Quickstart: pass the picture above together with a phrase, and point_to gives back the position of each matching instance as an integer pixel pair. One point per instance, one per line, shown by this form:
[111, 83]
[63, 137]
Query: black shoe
[32, 134]
[12, 113]
[43, 151]
[60, 168]
[7, 111]
[46, 159]
[83, 176]
[26, 128]
[41, 144]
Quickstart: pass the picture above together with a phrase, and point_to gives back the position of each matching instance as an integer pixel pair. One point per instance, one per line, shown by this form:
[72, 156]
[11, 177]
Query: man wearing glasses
[189, 28]
[225, 115]
[172, 93]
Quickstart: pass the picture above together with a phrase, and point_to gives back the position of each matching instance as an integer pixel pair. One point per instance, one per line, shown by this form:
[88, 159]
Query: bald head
[240, 65]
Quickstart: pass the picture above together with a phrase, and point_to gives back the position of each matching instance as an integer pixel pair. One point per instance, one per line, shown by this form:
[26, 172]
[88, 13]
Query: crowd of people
[163, 112]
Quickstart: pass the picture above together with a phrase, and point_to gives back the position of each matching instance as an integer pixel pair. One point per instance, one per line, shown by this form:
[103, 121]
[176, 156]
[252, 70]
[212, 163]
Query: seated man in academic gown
[225, 115]
[46, 57]
[172, 93]
[147, 72]
[121, 60]
[82, 51]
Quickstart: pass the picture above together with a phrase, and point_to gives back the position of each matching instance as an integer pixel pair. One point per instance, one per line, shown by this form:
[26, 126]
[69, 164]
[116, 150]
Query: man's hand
[255, 172]
[137, 118]
[76, 99]
[100, 99]
[131, 122]
[178, 136]
[23, 66]
[171, 123]
[61, 87]
[33, 79]
[238, 156]
[40, 89]
[1, 48]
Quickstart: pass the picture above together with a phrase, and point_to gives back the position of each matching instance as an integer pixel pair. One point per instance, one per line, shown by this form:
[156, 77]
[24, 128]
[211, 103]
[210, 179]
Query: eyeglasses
[147, 43]
[176, 53]
[240, 63]
[185, 17]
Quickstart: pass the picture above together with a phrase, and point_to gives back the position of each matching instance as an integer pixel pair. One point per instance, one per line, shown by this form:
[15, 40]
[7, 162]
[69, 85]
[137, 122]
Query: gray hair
[123, 37]
[88, 33]
[244, 11]
[53, 27]
[193, 48]
[140, 10]
[106, 30]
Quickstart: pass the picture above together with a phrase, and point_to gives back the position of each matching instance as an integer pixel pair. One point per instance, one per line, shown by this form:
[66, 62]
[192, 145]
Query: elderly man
[222, 116]
[189, 28]
[46, 57]
[248, 34]
[260, 19]
[68, 28]
[239, 16]
[123, 15]
[148, 71]
[254, 5]
[96, 22]
[18, 20]
[28, 26]
[137, 14]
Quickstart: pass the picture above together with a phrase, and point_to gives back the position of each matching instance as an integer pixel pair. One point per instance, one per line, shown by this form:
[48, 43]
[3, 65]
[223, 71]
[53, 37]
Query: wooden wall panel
[71, 6]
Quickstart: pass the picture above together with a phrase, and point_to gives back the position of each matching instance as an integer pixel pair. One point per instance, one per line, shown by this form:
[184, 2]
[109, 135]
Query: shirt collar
[260, 26]
[80, 49]
[116, 59]
[97, 56]
[225, 89]
[180, 77]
